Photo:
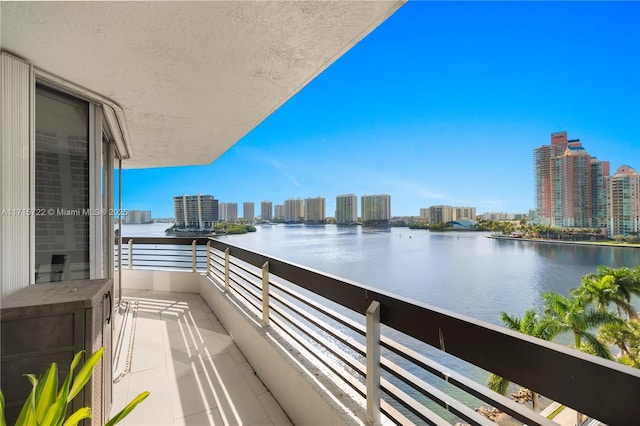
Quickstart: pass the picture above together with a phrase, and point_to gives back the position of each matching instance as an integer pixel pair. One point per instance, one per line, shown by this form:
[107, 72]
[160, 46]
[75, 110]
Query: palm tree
[573, 314]
[627, 282]
[627, 337]
[602, 290]
[531, 324]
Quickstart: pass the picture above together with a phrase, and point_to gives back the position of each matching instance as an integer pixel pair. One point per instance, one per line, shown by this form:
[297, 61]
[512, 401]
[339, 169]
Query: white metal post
[208, 258]
[265, 294]
[194, 249]
[130, 253]
[373, 363]
[226, 270]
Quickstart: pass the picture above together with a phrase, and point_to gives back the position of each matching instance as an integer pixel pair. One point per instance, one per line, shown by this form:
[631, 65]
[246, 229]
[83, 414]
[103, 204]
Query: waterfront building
[346, 209]
[248, 211]
[266, 211]
[230, 212]
[315, 210]
[137, 217]
[278, 212]
[222, 212]
[294, 210]
[465, 213]
[495, 216]
[376, 209]
[195, 211]
[624, 202]
[425, 213]
[569, 184]
[441, 214]
[600, 171]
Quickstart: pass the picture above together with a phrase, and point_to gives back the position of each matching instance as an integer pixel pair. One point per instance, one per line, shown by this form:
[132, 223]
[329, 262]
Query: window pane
[62, 187]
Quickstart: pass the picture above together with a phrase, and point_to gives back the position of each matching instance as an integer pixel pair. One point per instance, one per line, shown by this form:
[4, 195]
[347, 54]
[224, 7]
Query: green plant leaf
[46, 391]
[84, 374]
[79, 414]
[126, 410]
[3, 422]
[27, 415]
[55, 413]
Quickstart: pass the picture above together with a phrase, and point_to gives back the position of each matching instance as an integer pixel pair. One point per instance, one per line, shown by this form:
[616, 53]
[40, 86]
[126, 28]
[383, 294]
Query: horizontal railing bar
[398, 418]
[431, 392]
[201, 241]
[341, 337]
[245, 269]
[420, 410]
[512, 408]
[348, 379]
[351, 362]
[347, 322]
[568, 374]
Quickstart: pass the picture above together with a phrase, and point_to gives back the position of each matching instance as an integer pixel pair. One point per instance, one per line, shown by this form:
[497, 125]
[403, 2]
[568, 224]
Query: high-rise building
[231, 212]
[567, 195]
[278, 212]
[425, 213]
[137, 217]
[624, 202]
[294, 210]
[314, 210]
[376, 209]
[266, 211]
[248, 210]
[599, 173]
[346, 209]
[441, 214]
[465, 213]
[195, 211]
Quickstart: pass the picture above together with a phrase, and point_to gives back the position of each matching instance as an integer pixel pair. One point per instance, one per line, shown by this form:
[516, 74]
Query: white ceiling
[191, 77]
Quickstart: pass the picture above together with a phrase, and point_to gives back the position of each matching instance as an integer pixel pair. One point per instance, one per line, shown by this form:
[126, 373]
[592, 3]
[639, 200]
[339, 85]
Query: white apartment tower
[248, 211]
[376, 210]
[346, 209]
[293, 210]
[624, 202]
[266, 211]
[195, 211]
[278, 211]
[314, 210]
[231, 212]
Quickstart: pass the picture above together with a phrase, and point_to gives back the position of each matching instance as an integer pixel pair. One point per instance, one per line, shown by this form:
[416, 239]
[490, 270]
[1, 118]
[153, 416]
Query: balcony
[227, 335]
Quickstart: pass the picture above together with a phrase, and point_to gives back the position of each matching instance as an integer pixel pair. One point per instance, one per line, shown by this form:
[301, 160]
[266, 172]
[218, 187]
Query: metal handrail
[602, 389]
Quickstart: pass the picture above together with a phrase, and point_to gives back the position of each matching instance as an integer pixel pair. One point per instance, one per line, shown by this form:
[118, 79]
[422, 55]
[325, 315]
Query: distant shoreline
[582, 243]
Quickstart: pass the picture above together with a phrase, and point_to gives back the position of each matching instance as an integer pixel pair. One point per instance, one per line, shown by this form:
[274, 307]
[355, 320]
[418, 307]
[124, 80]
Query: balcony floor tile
[194, 371]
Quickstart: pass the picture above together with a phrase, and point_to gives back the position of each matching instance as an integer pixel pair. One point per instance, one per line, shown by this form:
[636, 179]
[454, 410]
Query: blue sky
[442, 104]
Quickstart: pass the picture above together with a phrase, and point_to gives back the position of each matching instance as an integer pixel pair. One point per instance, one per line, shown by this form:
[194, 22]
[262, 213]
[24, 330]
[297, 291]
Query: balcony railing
[377, 344]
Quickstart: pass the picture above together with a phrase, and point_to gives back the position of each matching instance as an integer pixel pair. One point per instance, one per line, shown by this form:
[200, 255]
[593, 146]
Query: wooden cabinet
[47, 323]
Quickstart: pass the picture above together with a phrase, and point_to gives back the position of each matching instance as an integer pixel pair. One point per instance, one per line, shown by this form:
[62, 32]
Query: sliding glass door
[62, 155]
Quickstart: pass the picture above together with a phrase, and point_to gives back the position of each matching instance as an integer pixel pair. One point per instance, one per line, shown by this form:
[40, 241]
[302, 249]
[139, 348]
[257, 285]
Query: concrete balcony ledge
[207, 360]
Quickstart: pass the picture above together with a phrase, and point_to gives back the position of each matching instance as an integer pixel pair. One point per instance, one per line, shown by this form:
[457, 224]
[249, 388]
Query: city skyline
[437, 107]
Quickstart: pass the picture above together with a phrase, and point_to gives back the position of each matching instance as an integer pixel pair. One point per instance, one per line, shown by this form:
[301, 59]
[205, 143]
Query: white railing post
[194, 258]
[373, 363]
[265, 294]
[131, 254]
[226, 270]
[208, 258]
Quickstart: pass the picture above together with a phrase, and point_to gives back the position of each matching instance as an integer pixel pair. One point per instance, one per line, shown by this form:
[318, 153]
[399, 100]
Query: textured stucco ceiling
[191, 77]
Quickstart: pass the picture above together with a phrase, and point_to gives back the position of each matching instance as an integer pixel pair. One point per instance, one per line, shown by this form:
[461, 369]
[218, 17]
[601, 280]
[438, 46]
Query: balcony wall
[305, 392]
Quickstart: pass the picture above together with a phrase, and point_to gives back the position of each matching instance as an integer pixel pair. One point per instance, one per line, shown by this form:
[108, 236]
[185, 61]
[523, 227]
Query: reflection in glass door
[62, 249]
